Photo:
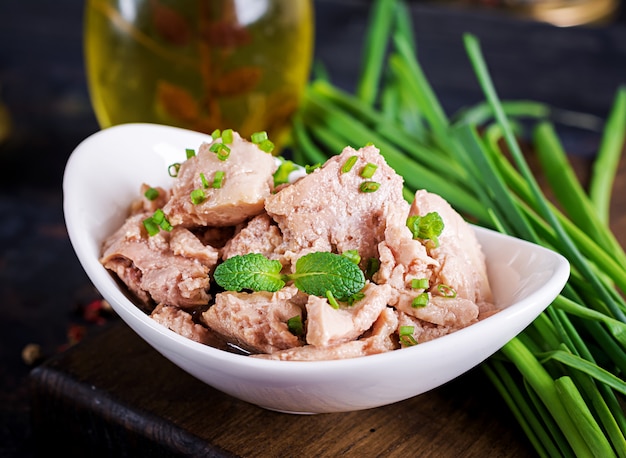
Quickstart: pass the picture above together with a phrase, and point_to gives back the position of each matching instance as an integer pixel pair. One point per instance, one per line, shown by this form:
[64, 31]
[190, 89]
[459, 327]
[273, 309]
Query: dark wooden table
[115, 396]
[110, 394]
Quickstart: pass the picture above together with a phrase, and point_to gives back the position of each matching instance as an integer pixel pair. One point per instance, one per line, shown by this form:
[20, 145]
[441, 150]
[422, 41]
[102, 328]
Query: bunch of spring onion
[562, 377]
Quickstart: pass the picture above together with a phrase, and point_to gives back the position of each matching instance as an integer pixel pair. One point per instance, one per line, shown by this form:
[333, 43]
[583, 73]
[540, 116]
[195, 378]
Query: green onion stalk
[563, 376]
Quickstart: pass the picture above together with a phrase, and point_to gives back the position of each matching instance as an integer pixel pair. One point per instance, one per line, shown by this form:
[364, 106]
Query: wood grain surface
[113, 395]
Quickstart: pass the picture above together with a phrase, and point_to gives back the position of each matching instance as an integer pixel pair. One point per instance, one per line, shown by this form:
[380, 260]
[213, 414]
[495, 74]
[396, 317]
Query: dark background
[43, 290]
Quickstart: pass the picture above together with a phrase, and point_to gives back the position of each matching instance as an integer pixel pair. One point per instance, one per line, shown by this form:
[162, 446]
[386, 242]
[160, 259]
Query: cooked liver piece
[182, 323]
[460, 256]
[248, 180]
[329, 326]
[170, 267]
[260, 235]
[381, 339]
[326, 210]
[144, 204]
[256, 321]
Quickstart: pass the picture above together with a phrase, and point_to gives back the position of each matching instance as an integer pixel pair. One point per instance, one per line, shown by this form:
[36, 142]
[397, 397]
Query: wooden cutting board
[113, 395]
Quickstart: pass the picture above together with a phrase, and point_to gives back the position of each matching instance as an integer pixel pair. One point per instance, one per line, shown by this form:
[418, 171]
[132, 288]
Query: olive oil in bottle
[199, 64]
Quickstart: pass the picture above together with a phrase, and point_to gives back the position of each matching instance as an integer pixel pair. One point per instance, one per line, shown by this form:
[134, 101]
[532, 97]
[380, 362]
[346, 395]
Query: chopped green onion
[216, 134]
[347, 166]
[222, 150]
[215, 147]
[156, 221]
[205, 182]
[368, 170]
[160, 218]
[427, 227]
[373, 264]
[352, 255]
[406, 335]
[446, 291]
[197, 196]
[369, 186]
[331, 299]
[356, 297]
[173, 169]
[420, 301]
[190, 153]
[285, 168]
[223, 154]
[294, 324]
[227, 136]
[151, 226]
[419, 283]
[218, 179]
[266, 146]
[309, 168]
[151, 194]
[259, 137]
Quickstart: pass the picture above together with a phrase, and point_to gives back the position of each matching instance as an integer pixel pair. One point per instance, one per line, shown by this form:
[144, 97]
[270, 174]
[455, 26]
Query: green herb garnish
[281, 175]
[151, 194]
[251, 271]
[295, 326]
[157, 221]
[261, 140]
[406, 335]
[373, 264]
[227, 136]
[419, 283]
[352, 255]
[427, 227]
[316, 274]
[319, 272]
[369, 186]
[347, 166]
[368, 170]
[331, 300]
[203, 179]
[259, 137]
[266, 146]
[221, 150]
[218, 179]
[197, 196]
[420, 301]
[173, 169]
[151, 226]
[447, 291]
[310, 168]
[356, 297]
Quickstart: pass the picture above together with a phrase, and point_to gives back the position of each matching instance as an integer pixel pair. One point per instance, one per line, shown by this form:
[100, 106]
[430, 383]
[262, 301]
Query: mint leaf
[427, 227]
[249, 271]
[320, 272]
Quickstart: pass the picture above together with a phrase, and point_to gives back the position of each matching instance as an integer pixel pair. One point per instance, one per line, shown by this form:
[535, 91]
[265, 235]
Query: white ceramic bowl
[103, 174]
